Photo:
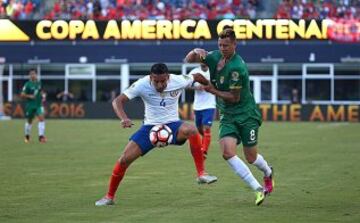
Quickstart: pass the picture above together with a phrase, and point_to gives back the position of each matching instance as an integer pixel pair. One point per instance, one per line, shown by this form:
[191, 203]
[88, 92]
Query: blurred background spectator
[321, 9]
[65, 96]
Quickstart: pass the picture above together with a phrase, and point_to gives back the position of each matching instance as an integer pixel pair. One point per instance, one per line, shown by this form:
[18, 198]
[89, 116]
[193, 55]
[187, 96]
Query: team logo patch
[174, 93]
[222, 79]
[235, 76]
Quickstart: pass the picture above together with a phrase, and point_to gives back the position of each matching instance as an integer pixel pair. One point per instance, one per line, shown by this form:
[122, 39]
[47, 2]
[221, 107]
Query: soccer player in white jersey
[204, 107]
[160, 92]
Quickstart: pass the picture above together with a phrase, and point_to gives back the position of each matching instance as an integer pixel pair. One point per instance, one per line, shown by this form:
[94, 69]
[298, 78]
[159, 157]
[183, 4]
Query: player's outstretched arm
[196, 55]
[200, 79]
[196, 88]
[232, 96]
[118, 105]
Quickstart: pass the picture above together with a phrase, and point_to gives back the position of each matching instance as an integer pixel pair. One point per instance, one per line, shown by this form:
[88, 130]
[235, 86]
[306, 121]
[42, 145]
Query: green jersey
[33, 88]
[234, 75]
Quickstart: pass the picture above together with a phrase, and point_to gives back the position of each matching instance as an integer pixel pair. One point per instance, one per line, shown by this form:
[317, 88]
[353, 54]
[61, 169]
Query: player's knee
[200, 130]
[250, 158]
[227, 155]
[124, 161]
[206, 128]
[191, 130]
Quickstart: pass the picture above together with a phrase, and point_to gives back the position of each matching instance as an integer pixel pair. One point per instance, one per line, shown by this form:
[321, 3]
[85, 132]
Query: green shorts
[31, 112]
[245, 132]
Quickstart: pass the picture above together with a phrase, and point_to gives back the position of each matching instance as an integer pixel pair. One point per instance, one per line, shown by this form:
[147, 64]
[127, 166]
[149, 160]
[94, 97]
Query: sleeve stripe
[235, 87]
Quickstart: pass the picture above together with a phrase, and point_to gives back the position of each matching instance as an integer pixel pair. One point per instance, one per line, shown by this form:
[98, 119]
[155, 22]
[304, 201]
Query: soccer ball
[160, 135]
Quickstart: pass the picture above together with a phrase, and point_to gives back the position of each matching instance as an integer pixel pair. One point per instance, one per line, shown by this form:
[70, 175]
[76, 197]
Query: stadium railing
[325, 83]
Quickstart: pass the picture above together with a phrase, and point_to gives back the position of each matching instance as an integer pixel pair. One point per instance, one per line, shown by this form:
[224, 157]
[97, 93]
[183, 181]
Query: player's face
[159, 81]
[33, 75]
[226, 47]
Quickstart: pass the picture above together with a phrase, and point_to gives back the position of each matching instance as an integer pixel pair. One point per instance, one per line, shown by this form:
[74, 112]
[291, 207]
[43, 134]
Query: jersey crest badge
[222, 79]
[235, 76]
[174, 93]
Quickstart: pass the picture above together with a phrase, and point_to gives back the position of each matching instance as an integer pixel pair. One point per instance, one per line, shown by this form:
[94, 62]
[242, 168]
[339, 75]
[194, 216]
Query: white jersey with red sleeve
[160, 108]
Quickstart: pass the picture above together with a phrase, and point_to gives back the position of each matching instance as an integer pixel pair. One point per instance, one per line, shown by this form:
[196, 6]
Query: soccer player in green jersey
[240, 118]
[33, 95]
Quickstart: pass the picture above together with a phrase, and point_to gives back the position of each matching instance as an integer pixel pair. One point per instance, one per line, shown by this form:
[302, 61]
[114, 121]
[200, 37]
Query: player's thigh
[40, 113]
[249, 132]
[228, 146]
[141, 138]
[184, 131]
[229, 129]
[30, 113]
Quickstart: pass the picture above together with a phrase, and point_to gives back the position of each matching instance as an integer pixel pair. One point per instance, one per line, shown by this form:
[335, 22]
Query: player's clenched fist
[126, 123]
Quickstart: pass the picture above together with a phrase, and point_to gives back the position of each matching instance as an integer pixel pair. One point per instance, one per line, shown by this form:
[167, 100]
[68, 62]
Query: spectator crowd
[153, 9]
[318, 9]
[18, 9]
[177, 9]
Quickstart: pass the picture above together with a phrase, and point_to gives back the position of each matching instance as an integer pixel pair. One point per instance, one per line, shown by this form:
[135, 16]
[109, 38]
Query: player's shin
[262, 165]
[244, 172]
[115, 179]
[27, 128]
[206, 140]
[41, 128]
[195, 147]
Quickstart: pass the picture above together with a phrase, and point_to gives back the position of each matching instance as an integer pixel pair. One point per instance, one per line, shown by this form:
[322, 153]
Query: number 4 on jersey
[162, 102]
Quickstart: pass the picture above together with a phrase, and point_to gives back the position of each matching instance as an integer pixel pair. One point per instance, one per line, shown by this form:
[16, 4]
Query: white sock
[41, 128]
[262, 165]
[243, 171]
[27, 128]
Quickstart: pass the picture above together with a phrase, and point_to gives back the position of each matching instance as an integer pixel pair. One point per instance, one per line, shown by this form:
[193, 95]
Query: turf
[317, 177]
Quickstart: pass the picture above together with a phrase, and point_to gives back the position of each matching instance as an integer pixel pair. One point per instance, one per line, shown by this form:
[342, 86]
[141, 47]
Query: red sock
[115, 179]
[206, 140]
[195, 147]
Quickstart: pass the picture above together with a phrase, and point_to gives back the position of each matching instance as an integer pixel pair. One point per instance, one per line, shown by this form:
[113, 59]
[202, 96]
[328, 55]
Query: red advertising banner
[344, 30]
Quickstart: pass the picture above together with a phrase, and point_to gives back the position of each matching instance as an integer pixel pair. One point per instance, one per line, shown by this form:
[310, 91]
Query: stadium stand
[178, 9]
[130, 9]
[318, 9]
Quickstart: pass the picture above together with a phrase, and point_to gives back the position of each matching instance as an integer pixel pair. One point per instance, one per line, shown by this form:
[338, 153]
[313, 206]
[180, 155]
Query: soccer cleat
[42, 139]
[269, 183]
[27, 139]
[104, 202]
[259, 197]
[206, 179]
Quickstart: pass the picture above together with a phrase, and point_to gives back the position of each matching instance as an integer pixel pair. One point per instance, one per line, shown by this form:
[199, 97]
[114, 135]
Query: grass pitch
[317, 177]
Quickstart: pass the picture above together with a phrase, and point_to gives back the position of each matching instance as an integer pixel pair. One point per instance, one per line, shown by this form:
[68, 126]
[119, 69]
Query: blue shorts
[141, 137]
[204, 117]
